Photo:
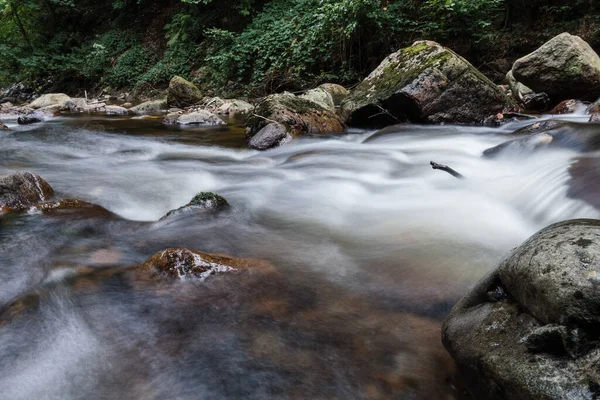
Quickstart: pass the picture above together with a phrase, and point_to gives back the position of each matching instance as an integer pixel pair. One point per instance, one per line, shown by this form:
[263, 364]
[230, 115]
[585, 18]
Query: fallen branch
[446, 168]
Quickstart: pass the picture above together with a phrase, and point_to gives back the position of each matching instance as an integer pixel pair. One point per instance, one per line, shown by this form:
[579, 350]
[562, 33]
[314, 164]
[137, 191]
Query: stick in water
[446, 168]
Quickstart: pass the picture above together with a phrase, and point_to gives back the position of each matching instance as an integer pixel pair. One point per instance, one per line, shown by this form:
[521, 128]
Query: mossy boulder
[337, 92]
[529, 330]
[321, 97]
[425, 82]
[182, 93]
[566, 67]
[150, 107]
[205, 202]
[22, 189]
[298, 115]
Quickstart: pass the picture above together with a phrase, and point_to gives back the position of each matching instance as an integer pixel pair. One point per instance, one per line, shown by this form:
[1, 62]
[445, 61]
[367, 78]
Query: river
[371, 246]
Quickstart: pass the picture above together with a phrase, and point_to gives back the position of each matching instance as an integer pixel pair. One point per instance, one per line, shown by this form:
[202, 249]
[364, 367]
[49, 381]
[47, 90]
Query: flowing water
[371, 248]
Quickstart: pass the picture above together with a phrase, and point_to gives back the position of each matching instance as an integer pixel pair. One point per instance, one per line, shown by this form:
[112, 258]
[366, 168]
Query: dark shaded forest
[255, 47]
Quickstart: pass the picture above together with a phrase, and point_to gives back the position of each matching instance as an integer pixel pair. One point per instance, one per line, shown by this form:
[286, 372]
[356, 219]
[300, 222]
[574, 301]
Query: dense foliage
[242, 45]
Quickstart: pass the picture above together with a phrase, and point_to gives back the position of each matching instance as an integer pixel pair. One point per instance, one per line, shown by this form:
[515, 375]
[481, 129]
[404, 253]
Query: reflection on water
[371, 249]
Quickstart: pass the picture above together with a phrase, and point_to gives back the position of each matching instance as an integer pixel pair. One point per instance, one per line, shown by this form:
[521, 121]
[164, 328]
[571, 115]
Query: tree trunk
[20, 24]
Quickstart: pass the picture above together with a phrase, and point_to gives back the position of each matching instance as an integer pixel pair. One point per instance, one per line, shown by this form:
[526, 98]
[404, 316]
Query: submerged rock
[203, 202]
[321, 97]
[338, 92]
[182, 93]
[71, 207]
[22, 189]
[425, 82]
[299, 116]
[581, 137]
[565, 67]
[525, 145]
[272, 135]
[184, 263]
[529, 330]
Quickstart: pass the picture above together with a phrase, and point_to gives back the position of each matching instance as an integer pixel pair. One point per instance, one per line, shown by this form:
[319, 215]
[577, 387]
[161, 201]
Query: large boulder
[298, 115]
[529, 330]
[52, 99]
[565, 67]
[150, 107]
[182, 93]
[22, 189]
[423, 83]
[321, 97]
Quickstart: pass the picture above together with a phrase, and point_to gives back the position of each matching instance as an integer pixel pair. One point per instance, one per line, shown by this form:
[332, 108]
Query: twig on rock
[446, 168]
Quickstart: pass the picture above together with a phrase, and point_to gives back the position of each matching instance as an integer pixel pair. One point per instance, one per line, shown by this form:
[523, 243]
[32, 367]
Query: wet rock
[71, 207]
[541, 339]
[3, 127]
[202, 202]
[150, 107]
[541, 126]
[536, 101]
[565, 107]
[299, 116]
[22, 189]
[565, 67]
[595, 118]
[52, 99]
[127, 105]
[32, 118]
[337, 92]
[520, 146]
[503, 118]
[321, 97]
[424, 82]
[185, 263]
[199, 117]
[182, 93]
[272, 135]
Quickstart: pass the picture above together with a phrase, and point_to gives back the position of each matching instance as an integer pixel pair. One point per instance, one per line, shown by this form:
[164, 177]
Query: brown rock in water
[425, 82]
[184, 263]
[3, 127]
[22, 189]
[71, 207]
[565, 107]
[299, 116]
